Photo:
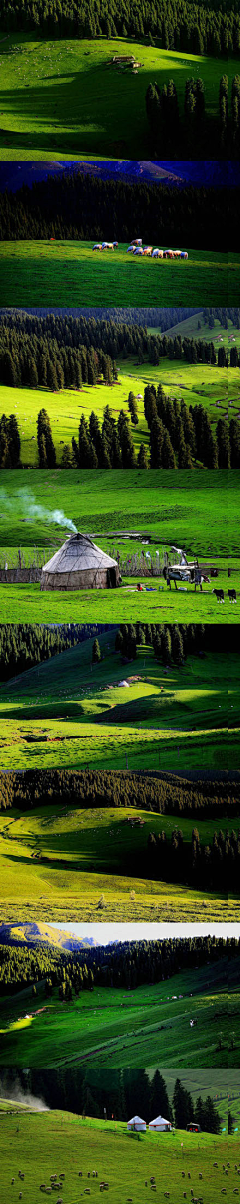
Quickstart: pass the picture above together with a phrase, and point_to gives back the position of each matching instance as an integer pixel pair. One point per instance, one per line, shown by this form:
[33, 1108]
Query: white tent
[160, 1125]
[137, 1124]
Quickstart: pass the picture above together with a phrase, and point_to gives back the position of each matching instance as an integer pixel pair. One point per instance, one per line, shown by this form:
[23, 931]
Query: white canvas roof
[160, 1120]
[78, 553]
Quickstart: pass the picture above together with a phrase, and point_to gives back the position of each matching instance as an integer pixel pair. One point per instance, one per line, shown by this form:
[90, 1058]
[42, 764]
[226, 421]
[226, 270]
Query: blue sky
[132, 932]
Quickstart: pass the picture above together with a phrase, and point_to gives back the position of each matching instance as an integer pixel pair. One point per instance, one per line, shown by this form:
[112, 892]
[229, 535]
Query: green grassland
[67, 273]
[190, 328]
[113, 1028]
[222, 1086]
[57, 852]
[60, 98]
[184, 507]
[67, 714]
[215, 388]
[26, 604]
[51, 1142]
[106, 504]
[58, 894]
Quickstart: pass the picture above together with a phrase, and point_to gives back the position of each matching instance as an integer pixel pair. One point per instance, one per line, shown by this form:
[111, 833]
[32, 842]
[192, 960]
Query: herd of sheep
[137, 248]
[56, 1183]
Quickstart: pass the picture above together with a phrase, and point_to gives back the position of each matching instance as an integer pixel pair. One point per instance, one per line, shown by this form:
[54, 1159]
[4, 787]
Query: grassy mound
[68, 714]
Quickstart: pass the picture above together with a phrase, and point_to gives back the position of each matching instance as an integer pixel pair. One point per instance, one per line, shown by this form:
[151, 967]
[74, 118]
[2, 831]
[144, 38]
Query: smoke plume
[23, 505]
[12, 1092]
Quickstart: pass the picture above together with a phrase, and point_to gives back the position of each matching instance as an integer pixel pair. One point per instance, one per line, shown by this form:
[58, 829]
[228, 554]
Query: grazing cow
[136, 242]
[97, 246]
[232, 595]
[219, 594]
[147, 250]
[156, 254]
[138, 251]
[184, 255]
[131, 248]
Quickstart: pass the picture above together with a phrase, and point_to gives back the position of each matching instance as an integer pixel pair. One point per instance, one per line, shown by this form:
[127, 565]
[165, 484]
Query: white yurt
[160, 1125]
[138, 1124]
[80, 564]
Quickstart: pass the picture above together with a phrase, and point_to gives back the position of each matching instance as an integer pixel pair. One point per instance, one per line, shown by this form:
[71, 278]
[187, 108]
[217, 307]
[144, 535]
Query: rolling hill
[61, 97]
[69, 1144]
[69, 714]
[111, 1028]
[39, 933]
[213, 387]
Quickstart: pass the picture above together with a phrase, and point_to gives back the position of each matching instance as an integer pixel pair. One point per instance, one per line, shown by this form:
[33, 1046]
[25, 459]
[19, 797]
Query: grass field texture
[67, 714]
[71, 858]
[60, 98]
[62, 1142]
[222, 1086]
[106, 504]
[67, 273]
[217, 389]
[146, 1026]
[195, 327]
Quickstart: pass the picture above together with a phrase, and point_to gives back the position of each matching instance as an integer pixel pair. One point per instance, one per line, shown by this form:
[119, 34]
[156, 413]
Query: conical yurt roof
[160, 1120]
[78, 553]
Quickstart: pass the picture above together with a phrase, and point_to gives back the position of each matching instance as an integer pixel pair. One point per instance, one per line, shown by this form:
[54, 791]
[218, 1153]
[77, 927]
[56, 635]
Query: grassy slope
[59, 1141]
[89, 852]
[221, 1085]
[68, 273]
[75, 843]
[214, 388]
[163, 504]
[62, 714]
[40, 934]
[189, 327]
[58, 97]
[114, 1029]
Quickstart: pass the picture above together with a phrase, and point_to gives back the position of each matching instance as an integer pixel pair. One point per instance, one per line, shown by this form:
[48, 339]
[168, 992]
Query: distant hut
[80, 564]
[160, 1125]
[137, 1124]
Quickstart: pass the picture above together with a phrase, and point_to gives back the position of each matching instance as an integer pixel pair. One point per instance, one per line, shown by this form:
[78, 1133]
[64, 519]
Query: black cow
[219, 594]
[232, 595]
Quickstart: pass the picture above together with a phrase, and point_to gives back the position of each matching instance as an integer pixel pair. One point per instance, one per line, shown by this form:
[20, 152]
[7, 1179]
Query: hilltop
[39, 933]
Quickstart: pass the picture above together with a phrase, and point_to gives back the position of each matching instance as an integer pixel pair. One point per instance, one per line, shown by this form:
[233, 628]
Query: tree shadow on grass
[88, 107]
[48, 710]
